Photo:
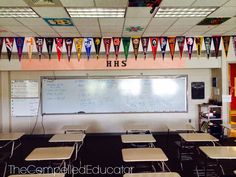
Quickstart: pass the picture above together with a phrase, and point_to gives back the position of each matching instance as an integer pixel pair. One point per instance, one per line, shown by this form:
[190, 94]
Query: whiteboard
[24, 88]
[24, 107]
[114, 95]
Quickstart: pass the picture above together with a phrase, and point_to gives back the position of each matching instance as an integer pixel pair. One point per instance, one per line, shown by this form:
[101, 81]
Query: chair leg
[5, 170]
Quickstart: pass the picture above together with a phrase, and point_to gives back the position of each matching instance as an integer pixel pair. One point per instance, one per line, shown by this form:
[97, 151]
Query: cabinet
[210, 119]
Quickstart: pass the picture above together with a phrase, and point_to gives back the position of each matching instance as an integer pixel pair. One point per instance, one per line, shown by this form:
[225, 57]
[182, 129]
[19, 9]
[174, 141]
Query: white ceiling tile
[230, 22]
[87, 34]
[212, 33]
[138, 12]
[224, 12]
[232, 32]
[85, 22]
[70, 34]
[188, 21]
[39, 29]
[180, 28]
[148, 34]
[201, 28]
[111, 34]
[13, 3]
[156, 28]
[27, 34]
[111, 3]
[162, 21]
[61, 29]
[8, 34]
[44, 3]
[17, 28]
[230, 3]
[111, 21]
[209, 3]
[193, 33]
[176, 3]
[111, 28]
[80, 3]
[173, 33]
[48, 34]
[51, 12]
[136, 21]
[9, 21]
[32, 21]
[130, 34]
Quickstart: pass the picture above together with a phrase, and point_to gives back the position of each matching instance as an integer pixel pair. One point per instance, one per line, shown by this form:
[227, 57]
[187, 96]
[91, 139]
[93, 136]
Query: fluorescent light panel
[96, 12]
[17, 12]
[184, 12]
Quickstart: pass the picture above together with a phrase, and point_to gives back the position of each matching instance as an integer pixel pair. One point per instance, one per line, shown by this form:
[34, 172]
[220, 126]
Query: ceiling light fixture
[17, 12]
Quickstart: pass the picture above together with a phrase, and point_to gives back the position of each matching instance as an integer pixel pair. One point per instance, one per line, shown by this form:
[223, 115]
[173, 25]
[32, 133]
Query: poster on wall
[197, 90]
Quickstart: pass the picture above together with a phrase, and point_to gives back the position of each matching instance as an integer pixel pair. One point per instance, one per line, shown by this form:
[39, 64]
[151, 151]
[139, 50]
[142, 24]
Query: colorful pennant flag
[59, 44]
[78, 46]
[30, 44]
[190, 42]
[116, 43]
[1, 44]
[154, 44]
[39, 46]
[163, 43]
[135, 42]
[97, 45]
[181, 41]
[49, 44]
[172, 41]
[234, 43]
[216, 41]
[145, 42]
[126, 44]
[9, 45]
[207, 41]
[107, 46]
[69, 44]
[198, 41]
[19, 45]
[226, 40]
[88, 45]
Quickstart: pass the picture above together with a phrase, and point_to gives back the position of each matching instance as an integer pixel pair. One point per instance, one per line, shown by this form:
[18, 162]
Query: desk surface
[39, 175]
[10, 136]
[50, 153]
[78, 137]
[143, 155]
[185, 127]
[197, 137]
[219, 152]
[137, 138]
[75, 127]
[160, 174]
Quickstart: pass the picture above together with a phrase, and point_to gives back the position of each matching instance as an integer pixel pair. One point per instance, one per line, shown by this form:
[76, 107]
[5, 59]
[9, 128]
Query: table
[138, 138]
[145, 155]
[138, 128]
[75, 128]
[160, 174]
[40, 175]
[198, 137]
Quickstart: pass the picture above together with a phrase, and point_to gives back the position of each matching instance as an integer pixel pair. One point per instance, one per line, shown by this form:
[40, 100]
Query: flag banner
[163, 43]
[190, 42]
[78, 46]
[116, 43]
[30, 45]
[88, 45]
[126, 44]
[19, 45]
[97, 44]
[216, 42]
[154, 44]
[207, 41]
[226, 40]
[49, 44]
[1, 44]
[9, 45]
[172, 41]
[69, 44]
[198, 41]
[145, 41]
[107, 46]
[135, 42]
[59, 44]
[234, 44]
[39, 46]
[181, 41]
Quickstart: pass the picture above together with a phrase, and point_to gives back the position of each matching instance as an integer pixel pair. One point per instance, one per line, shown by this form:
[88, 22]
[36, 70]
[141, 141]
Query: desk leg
[76, 150]
[12, 148]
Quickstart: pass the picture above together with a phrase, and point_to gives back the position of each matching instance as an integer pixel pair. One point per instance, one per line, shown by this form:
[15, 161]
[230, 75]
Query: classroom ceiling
[138, 17]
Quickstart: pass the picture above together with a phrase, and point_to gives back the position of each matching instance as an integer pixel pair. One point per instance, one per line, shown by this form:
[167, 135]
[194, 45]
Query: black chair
[5, 155]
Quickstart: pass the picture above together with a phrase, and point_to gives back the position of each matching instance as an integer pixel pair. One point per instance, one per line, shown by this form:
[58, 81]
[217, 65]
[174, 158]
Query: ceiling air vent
[40, 3]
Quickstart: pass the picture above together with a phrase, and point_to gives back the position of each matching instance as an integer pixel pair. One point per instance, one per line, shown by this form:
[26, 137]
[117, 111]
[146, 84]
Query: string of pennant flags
[87, 42]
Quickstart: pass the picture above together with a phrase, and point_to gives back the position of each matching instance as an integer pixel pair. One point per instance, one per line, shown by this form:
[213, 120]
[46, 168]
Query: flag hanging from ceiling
[190, 42]
[154, 44]
[116, 43]
[172, 41]
[234, 44]
[226, 40]
[1, 44]
[97, 45]
[198, 41]
[136, 41]
[88, 45]
[181, 41]
[39, 46]
[19, 45]
[163, 43]
[207, 41]
[9, 45]
[30, 44]
[69, 44]
[78, 46]
[216, 42]
[145, 41]
[126, 44]
[49, 44]
[59, 44]
[107, 46]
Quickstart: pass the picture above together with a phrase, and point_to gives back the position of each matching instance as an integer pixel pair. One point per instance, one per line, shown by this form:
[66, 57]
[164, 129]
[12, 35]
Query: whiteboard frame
[112, 77]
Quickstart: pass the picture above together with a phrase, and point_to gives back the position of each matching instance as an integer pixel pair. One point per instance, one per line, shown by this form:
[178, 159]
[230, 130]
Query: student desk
[218, 153]
[11, 138]
[145, 155]
[75, 128]
[138, 138]
[137, 128]
[160, 174]
[40, 175]
[198, 137]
